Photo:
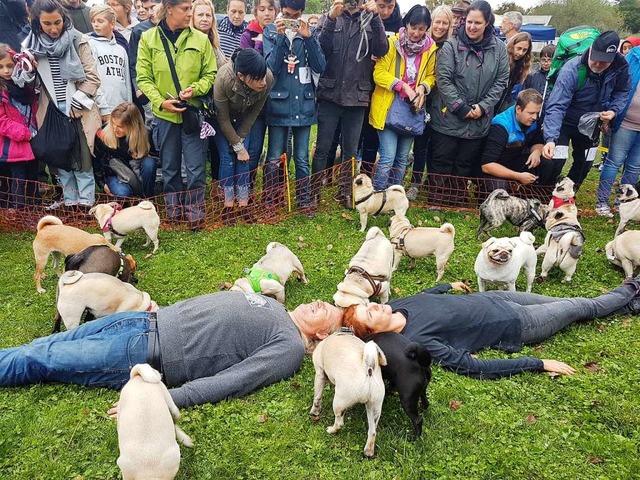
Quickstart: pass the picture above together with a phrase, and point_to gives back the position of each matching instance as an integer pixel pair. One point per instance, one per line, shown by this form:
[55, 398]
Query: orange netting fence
[272, 198]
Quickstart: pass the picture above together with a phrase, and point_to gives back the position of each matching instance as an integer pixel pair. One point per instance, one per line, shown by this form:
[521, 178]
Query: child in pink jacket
[17, 127]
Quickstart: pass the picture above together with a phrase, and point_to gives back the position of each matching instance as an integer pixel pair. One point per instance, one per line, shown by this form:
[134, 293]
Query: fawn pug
[369, 202]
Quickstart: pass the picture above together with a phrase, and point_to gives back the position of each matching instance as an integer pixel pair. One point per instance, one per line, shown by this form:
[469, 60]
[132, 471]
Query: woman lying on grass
[451, 327]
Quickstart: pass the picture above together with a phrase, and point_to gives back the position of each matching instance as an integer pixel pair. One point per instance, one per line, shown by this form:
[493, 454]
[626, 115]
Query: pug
[629, 208]
[624, 251]
[102, 259]
[369, 272]
[353, 367]
[526, 214]
[147, 432]
[420, 242]
[119, 222]
[99, 293]
[501, 260]
[564, 242]
[563, 193]
[269, 274]
[368, 202]
[53, 237]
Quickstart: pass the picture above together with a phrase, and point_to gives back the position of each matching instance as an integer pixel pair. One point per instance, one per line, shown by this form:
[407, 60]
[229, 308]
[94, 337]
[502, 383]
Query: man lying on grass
[451, 327]
[209, 348]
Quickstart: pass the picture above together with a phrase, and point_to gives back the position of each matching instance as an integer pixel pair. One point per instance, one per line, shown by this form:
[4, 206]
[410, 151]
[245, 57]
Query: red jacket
[14, 132]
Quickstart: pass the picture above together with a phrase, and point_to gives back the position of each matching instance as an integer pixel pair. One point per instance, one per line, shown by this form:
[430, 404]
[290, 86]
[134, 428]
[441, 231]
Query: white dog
[100, 293]
[354, 368]
[147, 431]
[369, 202]
[269, 274]
[118, 221]
[629, 206]
[501, 259]
[420, 242]
[369, 272]
[624, 251]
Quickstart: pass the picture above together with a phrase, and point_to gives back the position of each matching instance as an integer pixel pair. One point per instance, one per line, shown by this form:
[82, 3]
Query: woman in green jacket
[195, 65]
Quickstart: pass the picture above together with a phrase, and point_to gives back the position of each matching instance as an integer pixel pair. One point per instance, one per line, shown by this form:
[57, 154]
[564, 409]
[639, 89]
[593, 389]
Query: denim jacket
[291, 103]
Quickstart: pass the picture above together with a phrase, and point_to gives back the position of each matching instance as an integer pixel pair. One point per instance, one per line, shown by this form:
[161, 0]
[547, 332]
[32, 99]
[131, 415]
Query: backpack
[573, 42]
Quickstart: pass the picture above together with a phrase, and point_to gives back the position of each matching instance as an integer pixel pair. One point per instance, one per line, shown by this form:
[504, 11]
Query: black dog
[408, 371]
[100, 259]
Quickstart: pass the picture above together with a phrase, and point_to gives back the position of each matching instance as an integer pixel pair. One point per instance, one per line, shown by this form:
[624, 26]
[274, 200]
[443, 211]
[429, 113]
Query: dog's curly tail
[146, 372]
[415, 351]
[373, 356]
[48, 220]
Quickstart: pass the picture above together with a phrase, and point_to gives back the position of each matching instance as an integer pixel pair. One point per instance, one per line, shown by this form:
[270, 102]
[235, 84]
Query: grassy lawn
[529, 426]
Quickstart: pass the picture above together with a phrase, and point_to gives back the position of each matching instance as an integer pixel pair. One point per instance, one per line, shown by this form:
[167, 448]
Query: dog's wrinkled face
[363, 181]
[627, 192]
[498, 250]
[564, 188]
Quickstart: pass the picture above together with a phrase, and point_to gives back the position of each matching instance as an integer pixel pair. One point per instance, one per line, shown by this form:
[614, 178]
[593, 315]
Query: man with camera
[350, 34]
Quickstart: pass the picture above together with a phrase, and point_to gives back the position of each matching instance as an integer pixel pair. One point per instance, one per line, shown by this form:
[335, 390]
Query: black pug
[408, 371]
[99, 259]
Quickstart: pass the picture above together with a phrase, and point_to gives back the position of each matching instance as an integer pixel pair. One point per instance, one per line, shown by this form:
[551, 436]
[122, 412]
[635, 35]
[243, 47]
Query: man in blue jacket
[513, 149]
[596, 81]
[294, 57]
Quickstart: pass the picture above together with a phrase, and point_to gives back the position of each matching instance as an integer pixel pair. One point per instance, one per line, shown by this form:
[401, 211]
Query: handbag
[192, 117]
[126, 175]
[57, 143]
[401, 119]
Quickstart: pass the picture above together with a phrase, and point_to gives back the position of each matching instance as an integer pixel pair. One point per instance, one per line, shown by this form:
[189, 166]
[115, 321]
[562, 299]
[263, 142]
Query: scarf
[413, 48]
[480, 45]
[254, 26]
[17, 94]
[70, 65]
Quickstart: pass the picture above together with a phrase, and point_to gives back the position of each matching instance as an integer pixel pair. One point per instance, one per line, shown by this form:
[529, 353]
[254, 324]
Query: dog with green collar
[269, 274]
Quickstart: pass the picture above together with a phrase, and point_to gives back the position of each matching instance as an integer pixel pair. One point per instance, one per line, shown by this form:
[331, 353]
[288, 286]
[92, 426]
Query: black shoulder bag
[192, 117]
[57, 142]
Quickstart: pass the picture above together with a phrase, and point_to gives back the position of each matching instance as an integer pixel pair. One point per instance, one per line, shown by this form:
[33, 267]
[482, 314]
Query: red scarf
[254, 26]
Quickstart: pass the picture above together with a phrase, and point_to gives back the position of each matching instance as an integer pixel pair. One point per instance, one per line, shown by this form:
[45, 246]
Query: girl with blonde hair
[124, 139]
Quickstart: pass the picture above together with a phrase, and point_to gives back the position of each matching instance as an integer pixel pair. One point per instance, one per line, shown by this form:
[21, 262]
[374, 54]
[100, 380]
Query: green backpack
[573, 42]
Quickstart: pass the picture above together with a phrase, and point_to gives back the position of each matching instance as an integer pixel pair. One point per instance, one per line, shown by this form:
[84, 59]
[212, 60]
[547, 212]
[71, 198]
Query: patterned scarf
[412, 48]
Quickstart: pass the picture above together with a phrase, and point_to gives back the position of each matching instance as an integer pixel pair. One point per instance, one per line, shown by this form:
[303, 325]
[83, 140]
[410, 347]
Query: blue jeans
[174, 145]
[77, 187]
[624, 151]
[278, 137]
[542, 316]
[392, 165]
[234, 174]
[99, 353]
[148, 174]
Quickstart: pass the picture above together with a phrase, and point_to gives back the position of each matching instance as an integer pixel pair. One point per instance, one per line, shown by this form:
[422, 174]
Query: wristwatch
[238, 147]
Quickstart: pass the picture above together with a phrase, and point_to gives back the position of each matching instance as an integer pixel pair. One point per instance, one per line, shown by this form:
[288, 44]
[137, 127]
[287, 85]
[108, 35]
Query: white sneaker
[54, 206]
[603, 210]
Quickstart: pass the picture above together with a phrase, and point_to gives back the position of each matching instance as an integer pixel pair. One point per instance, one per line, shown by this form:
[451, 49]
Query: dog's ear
[358, 181]
[560, 178]
[488, 242]
[382, 360]
[558, 215]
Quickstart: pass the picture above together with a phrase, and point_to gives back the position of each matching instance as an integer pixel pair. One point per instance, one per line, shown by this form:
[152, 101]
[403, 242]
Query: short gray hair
[514, 18]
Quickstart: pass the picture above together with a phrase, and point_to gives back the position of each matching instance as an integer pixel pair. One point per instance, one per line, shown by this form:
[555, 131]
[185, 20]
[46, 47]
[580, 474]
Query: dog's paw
[332, 430]
[314, 418]
[148, 255]
[41, 290]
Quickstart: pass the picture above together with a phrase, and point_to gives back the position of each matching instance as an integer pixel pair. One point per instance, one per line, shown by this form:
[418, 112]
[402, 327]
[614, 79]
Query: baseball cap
[604, 47]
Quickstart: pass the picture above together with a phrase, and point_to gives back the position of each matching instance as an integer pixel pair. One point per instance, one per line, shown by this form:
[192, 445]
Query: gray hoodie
[112, 62]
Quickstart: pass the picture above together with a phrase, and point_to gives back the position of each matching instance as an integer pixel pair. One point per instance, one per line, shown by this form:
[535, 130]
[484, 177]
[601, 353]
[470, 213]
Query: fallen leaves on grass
[329, 247]
[436, 219]
[346, 216]
[263, 418]
[455, 404]
[593, 367]
[531, 419]
[626, 323]
[318, 227]
[225, 285]
[595, 460]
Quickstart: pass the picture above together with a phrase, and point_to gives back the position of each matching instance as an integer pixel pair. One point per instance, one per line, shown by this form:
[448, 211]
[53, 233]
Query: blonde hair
[446, 10]
[214, 36]
[133, 123]
[128, 7]
[108, 12]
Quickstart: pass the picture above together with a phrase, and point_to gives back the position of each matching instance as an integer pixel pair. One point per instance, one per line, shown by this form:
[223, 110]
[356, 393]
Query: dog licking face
[353, 367]
[501, 260]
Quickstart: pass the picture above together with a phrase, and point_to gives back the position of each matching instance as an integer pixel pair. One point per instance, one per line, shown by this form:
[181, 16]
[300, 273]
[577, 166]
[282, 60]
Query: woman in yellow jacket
[415, 51]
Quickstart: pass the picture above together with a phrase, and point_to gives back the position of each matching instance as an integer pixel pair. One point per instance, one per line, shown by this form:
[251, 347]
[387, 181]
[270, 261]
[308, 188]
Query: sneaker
[603, 210]
[412, 193]
[55, 206]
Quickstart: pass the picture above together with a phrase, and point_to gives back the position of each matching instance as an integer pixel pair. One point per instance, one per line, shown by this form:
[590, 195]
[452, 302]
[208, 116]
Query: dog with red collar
[120, 222]
[564, 193]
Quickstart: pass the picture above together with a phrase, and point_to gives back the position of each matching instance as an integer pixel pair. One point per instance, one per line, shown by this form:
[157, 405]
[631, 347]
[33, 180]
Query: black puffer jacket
[345, 81]
[14, 24]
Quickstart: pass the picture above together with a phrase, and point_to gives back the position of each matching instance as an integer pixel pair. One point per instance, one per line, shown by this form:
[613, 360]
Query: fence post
[284, 159]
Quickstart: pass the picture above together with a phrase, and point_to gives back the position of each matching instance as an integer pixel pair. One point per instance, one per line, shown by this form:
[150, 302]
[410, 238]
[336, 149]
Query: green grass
[529, 426]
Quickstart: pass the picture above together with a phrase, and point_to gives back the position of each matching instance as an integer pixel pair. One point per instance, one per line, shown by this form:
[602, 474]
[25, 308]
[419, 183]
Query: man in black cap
[596, 81]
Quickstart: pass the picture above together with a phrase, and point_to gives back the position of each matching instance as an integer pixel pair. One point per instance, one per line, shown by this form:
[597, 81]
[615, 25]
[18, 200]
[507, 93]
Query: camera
[291, 23]
[181, 104]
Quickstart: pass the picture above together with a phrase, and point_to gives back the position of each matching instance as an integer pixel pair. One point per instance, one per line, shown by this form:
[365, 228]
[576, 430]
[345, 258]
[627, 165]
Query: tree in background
[570, 13]
[509, 7]
[630, 12]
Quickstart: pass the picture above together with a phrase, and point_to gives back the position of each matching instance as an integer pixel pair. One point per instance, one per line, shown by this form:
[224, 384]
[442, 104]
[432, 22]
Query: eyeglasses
[545, 59]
